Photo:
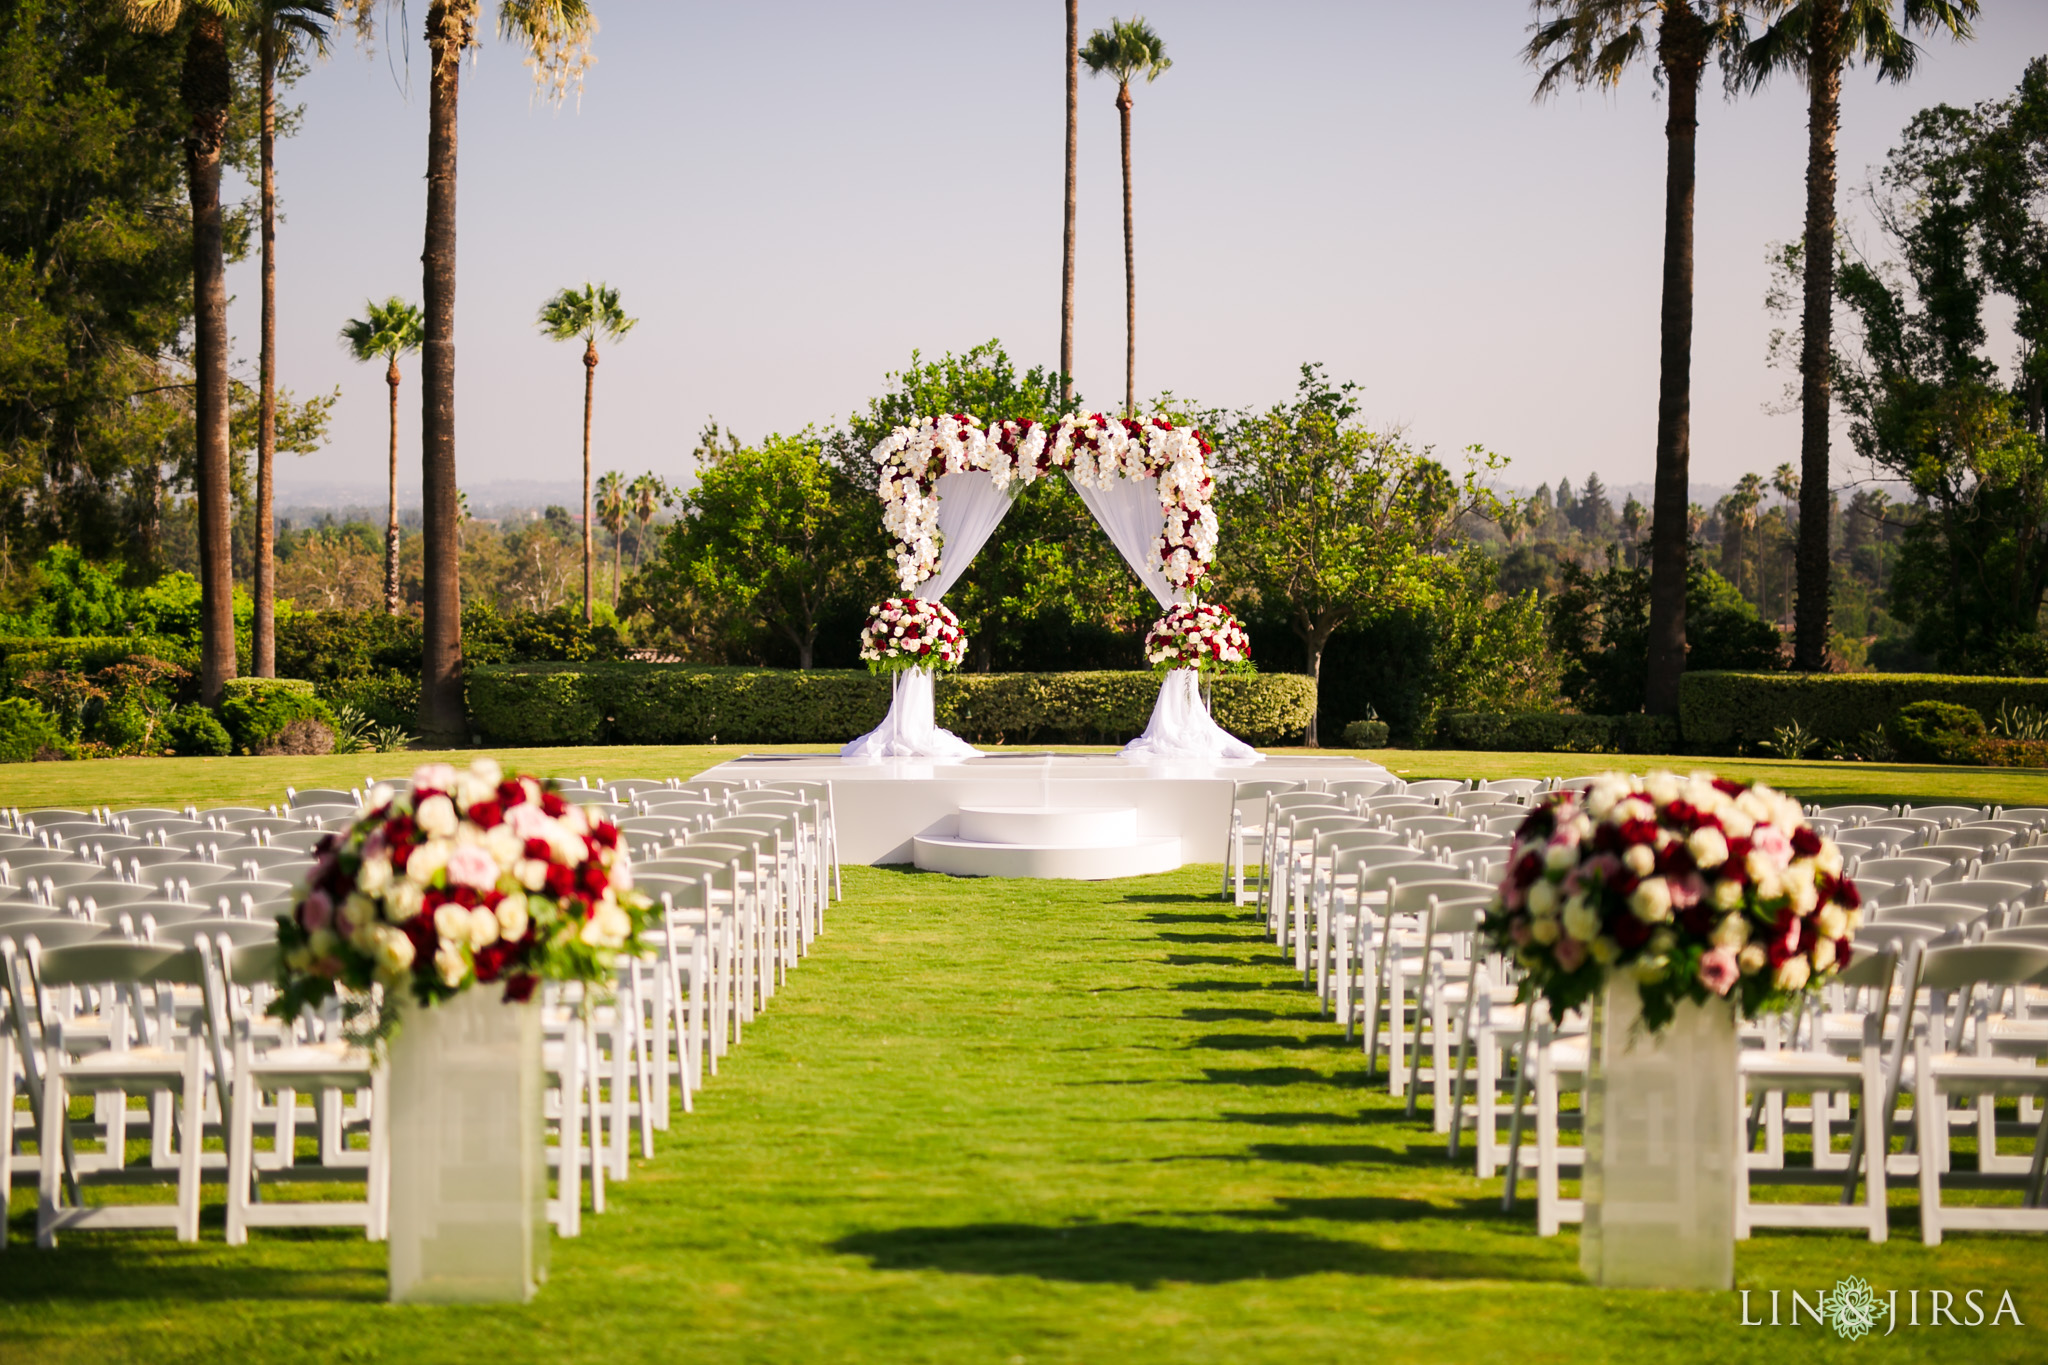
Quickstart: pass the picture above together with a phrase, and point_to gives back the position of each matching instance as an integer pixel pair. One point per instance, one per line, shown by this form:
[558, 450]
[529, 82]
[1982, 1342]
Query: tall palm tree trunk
[391, 602]
[450, 24]
[1682, 49]
[206, 87]
[1823, 118]
[589, 571]
[618, 563]
[1073, 152]
[263, 641]
[1123, 108]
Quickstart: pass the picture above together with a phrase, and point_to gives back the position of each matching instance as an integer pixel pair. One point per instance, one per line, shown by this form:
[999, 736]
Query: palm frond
[1127, 49]
[556, 35]
[590, 312]
[386, 330]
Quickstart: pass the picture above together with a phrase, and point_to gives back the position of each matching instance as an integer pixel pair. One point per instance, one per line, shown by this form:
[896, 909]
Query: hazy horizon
[793, 196]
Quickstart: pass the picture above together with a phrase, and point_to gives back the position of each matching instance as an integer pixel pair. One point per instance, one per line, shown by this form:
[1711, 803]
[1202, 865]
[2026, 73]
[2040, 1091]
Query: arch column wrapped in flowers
[1134, 473]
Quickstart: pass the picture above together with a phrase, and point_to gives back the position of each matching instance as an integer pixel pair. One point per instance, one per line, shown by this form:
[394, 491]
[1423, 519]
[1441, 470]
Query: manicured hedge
[1549, 732]
[21, 655]
[1720, 712]
[645, 703]
[258, 713]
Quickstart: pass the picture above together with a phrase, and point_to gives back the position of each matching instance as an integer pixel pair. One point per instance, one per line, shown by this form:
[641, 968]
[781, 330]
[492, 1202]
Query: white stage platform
[1083, 816]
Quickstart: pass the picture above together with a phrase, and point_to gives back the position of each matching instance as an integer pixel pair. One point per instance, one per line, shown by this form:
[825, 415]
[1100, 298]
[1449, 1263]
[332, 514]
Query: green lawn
[998, 1122]
[260, 781]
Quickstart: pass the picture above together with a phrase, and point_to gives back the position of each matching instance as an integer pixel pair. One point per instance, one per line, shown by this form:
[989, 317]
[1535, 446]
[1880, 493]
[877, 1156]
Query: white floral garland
[1091, 448]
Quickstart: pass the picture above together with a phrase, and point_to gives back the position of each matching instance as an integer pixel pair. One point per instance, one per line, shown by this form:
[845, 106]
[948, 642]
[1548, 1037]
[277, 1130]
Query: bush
[1366, 734]
[1550, 732]
[21, 655]
[302, 736]
[195, 732]
[1936, 732]
[258, 711]
[27, 732]
[1994, 752]
[644, 703]
[1724, 712]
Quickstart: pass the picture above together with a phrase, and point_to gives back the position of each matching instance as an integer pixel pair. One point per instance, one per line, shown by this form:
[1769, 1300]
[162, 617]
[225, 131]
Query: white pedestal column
[468, 1179]
[1660, 1148]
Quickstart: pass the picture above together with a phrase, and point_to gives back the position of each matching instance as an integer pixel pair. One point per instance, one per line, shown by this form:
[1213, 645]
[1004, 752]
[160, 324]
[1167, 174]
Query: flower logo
[1853, 1308]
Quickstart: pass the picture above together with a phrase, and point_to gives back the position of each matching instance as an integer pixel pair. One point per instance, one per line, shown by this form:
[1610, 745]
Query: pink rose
[1686, 891]
[317, 913]
[1719, 971]
[469, 865]
[1770, 843]
[1570, 953]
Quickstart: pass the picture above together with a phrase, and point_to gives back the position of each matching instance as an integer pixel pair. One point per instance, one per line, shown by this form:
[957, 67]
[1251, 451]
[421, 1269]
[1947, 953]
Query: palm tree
[649, 494]
[1592, 42]
[556, 35]
[1745, 502]
[1127, 49]
[1073, 151]
[207, 84]
[283, 27]
[387, 330]
[1785, 482]
[611, 510]
[1815, 39]
[587, 313]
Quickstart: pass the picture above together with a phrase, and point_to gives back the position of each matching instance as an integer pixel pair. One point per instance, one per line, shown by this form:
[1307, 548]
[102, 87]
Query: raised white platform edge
[1062, 826]
[968, 858]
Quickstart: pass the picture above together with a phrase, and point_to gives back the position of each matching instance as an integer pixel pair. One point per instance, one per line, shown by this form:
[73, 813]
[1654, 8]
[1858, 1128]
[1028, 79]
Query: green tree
[586, 314]
[207, 84]
[611, 511]
[1815, 40]
[763, 540]
[385, 332]
[556, 35]
[1593, 42]
[1127, 49]
[1598, 625]
[646, 496]
[284, 30]
[1327, 520]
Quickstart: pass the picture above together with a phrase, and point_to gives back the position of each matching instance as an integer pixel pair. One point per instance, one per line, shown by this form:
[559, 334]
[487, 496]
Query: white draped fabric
[1129, 511]
[1182, 729]
[971, 506]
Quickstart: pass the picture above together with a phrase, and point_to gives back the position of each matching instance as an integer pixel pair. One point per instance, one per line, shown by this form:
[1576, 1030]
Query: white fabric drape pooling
[1181, 727]
[971, 506]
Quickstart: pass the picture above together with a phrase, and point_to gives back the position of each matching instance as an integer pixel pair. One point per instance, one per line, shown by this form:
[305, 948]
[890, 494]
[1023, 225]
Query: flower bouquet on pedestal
[1203, 636]
[1677, 903]
[909, 632]
[468, 886]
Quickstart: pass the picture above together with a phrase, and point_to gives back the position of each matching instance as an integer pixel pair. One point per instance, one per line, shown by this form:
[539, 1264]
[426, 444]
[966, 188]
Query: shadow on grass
[1243, 940]
[1368, 1209]
[1263, 1042]
[1198, 1015]
[1145, 1255]
[1174, 898]
[1293, 1119]
[1281, 1075]
[1157, 918]
[86, 1273]
[1205, 960]
[1218, 987]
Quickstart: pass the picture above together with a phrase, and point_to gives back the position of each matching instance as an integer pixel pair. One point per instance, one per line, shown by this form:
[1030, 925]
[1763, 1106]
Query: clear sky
[792, 194]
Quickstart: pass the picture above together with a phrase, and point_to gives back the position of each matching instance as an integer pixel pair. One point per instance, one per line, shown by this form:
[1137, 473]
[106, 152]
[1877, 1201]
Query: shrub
[1550, 732]
[644, 703]
[1366, 734]
[1995, 752]
[1936, 732]
[194, 731]
[302, 736]
[27, 731]
[257, 712]
[21, 655]
[1724, 712]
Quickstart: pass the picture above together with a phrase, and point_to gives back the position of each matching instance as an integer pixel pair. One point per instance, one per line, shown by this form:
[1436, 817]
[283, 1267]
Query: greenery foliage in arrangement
[1724, 712]
[637, 703]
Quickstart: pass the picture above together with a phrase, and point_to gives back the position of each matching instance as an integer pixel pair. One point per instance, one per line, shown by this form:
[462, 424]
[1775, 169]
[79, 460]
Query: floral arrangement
[468, 879]
[1700, 887]
[1091, 448]
[909, 632]
[1199, 635]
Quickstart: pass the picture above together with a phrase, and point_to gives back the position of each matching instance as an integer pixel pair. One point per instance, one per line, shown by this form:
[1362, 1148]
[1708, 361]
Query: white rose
[487, 771]
[452, 922]
[427, 861]
[1736, 824]
[322, 943]
[504, 846]
[1823, 954]
[373, 876]
[1662, 787]
[1640, 860]
[1542, 898]
[532, 873]
[380, 796]
[353, 914]
[1833, 921]
[512, 916]
[1731, 933]
[448, 964]
[1752, 959]
[1544, 931]
[1561, 857]
[436, 816]
[1770, 885]
[483, 928]
[1800, 887]
[1581, 920]
[1792, 974]
[405, 901]
[1651, 900]
[1708, 848]
[1727, 895]
[1605, 950]
[1829, 859]
[394, 954]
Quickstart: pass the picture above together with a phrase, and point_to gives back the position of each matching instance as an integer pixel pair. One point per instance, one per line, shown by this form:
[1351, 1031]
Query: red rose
[1527, 869]
[561, 881]
[552, 805]
[1728, 786]
[1847, 896]
[541, 849]
[1630, 932]
[519, 987]
[486, 814]
[1805, 842]
[510, 793]
[605, 834]
[492, 959]
[594, 880]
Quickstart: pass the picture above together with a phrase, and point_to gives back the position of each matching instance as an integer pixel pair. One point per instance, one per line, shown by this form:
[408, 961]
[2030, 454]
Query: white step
[1061, 862]
[1068, 827]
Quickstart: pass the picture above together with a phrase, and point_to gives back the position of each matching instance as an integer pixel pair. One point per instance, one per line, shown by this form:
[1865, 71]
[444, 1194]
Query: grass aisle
[1000, 1122]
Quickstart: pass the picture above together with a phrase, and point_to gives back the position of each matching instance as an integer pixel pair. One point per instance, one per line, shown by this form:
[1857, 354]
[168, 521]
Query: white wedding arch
[947, 482]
